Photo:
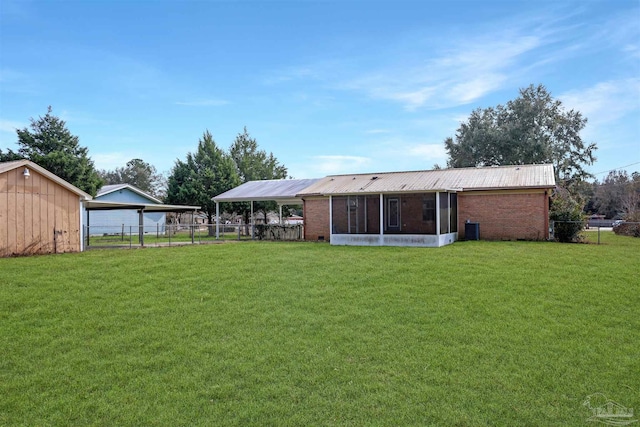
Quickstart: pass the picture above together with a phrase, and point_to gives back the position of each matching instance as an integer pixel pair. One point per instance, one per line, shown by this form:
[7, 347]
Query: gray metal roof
[98, 205]
[460, 179]
[283, 191]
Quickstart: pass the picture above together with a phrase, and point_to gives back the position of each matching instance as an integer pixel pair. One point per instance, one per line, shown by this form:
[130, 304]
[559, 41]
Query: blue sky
[327, 86]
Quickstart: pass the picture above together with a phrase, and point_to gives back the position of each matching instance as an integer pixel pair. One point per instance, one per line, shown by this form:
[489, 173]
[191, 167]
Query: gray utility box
[472, 231]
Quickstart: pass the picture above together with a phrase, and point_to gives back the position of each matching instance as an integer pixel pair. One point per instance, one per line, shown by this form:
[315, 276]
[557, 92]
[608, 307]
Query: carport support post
[252, 223]
[280, 206]
[217, 220]
[88, 229]
[141, 226]
[193, 227]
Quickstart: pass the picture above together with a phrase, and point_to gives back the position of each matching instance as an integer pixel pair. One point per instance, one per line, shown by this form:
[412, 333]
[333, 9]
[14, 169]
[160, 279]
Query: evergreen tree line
[193, 181]
[534, 128]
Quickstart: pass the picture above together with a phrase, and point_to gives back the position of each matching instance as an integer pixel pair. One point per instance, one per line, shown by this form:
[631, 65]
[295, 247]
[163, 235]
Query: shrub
[629, 228]
[566, 215]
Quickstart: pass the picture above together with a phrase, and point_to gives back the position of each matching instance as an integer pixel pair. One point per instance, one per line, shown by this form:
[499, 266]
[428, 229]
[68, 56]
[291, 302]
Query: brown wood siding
[4, 213]
[37, 215]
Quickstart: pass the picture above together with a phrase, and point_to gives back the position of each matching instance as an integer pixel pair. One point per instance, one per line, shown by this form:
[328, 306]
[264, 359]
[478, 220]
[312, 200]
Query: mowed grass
[475, 333]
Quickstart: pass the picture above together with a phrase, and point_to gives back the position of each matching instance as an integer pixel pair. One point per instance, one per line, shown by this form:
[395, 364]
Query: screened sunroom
[402, 219]
[387, 209]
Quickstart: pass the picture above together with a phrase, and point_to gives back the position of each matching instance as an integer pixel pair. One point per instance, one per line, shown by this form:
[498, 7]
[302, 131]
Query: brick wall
[316, 218]
[411, 215]
[507, 215]
[503, 215]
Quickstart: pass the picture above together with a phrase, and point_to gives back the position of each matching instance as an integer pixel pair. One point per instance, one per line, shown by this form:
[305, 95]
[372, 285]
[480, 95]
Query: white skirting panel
[418, 240]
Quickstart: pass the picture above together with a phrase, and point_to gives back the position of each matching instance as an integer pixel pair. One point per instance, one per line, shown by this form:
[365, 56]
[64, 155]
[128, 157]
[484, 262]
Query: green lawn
[263, 333]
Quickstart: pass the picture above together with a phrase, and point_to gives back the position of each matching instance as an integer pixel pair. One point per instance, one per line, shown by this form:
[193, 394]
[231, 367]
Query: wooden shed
[40, 213]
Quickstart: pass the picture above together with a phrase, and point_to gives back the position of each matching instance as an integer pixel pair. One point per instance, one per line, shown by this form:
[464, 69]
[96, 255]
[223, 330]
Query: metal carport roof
[282, 191]
[97, 205]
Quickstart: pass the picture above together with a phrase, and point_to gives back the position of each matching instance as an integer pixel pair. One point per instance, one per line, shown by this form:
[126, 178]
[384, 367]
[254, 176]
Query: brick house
[430, 208]
[421, 208]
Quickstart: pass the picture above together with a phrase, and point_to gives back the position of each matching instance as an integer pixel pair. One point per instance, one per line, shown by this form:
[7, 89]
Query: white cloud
[468, 91]
[458, 75]
[428, 151]
[633, 50]
[610, 108]
[605, 102]
[10, 126]
[110, 161]
[203, 103]
[331, 165]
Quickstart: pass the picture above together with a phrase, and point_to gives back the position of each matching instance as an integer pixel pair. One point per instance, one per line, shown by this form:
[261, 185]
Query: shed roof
[283, 191]
[458, 179]
[107, 189]
[8, 166]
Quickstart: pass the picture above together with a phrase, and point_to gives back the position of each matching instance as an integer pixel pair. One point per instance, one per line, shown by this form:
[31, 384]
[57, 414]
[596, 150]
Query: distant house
[40, 213]
[294, 220]
[124, 220]
[429, 208]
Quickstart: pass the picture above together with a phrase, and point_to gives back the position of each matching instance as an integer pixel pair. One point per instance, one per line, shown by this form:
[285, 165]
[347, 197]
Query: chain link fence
[100, 236]
[625, 228]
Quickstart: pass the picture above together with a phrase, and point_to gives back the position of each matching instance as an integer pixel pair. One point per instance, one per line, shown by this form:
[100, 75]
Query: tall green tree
[138, 173]
[50, 144]
[204, 174]
[534, 128]
[253, 164]
[9, 155]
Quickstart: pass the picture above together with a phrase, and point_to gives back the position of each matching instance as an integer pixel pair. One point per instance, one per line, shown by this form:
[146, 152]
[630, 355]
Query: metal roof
[283, 191]
[8, 166]
[97, 205]
[458, 179]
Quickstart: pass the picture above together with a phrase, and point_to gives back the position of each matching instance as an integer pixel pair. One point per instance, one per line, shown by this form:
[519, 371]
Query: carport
[141, 208]
[281, 191]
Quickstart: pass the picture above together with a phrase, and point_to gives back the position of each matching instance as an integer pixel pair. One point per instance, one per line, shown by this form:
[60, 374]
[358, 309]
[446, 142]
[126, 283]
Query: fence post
[122, 239]
[130, 235]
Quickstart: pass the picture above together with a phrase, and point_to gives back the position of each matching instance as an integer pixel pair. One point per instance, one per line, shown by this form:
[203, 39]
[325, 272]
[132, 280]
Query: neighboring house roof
[8, 166]
[283, 191]
[107, 189]
[457, 179]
